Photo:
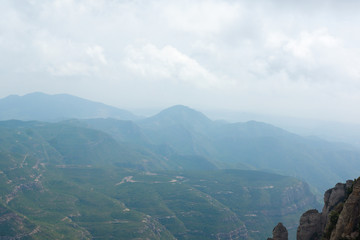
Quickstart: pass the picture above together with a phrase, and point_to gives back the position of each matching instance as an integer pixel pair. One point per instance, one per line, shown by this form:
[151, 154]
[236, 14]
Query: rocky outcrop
[279, 232]
[310, 226]
[334, 196]
[339, 219]
[348, 223]
[314, 225]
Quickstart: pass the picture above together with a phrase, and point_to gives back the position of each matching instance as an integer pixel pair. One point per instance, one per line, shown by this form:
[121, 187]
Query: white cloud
[96, 52]
[168, 63]
[200, 17]
[303, 47]
[71, 69]
[65, 57]
[314, 56]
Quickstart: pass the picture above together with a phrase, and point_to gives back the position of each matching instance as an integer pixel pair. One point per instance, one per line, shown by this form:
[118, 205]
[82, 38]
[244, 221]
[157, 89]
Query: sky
[288, 58]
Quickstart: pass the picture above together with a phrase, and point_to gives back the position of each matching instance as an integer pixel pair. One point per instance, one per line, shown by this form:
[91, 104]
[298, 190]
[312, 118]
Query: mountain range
[93, 171]
[180, 130]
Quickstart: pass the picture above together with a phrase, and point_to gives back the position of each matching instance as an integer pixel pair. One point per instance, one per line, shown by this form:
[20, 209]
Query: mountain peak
[36, 94]
[182, 113]
[178, 115]
[179, 107]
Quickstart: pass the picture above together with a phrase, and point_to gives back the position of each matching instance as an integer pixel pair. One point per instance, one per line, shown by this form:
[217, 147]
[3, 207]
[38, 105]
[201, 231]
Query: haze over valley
[145, 165]
[209, 119]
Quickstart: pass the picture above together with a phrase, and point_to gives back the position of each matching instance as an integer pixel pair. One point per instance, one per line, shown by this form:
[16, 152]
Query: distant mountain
[187, 138]
[182, 128]
[252, 145]
[178, 115]
[266, 147]
[181, 137]
[44, 107]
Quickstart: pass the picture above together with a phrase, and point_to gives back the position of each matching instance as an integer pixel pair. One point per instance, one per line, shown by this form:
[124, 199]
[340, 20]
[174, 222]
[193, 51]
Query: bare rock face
[348, 223]
[333, 196]
[280, 232]
[310, 227]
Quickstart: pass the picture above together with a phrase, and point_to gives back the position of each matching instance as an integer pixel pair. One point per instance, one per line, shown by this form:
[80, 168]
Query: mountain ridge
[46, 107]
[182, 131]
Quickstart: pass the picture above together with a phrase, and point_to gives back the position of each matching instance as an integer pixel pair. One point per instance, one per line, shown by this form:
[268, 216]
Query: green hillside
[60, 181]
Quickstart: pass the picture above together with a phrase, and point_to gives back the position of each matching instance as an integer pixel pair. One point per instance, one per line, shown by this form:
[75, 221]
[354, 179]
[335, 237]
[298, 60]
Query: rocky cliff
[338, 220]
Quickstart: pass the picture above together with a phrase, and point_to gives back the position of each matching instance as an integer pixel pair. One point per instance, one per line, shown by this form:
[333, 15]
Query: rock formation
[348, 223]
[310, 225]
[334, 196]
[279, 233]
[315, 225]
[339, 219]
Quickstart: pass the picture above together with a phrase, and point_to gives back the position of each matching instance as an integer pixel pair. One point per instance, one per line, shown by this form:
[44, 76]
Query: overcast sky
[290, 58]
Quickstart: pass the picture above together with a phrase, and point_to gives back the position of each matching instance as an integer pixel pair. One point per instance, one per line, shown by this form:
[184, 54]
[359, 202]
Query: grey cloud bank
[291, 58]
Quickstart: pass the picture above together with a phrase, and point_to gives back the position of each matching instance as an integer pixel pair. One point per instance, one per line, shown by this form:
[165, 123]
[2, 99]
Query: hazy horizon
[287, 59]
[279, 81]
